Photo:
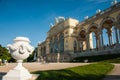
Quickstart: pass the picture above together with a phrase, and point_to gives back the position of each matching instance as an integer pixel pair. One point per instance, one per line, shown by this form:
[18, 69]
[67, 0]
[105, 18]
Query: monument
[20, 50]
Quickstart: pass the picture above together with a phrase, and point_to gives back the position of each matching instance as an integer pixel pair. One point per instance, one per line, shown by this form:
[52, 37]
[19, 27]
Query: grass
[94, 71]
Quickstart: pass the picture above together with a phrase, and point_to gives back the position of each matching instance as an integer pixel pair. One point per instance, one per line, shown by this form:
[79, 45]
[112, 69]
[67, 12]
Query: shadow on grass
[67, 75]
[112, 77]
[2, 74]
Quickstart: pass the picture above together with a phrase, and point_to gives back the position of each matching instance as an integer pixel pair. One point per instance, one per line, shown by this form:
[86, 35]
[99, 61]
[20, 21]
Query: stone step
[34, 77]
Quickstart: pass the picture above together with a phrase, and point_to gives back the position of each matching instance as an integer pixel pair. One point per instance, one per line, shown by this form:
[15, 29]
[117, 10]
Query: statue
[59, 19]
[56, 20]
[86, 17]
[114, 2]
[51, 25]
[98, 11]
[19, 50]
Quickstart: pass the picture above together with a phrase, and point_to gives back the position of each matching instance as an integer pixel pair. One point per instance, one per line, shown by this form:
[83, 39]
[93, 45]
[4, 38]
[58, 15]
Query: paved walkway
[38, 66]
[114, 74]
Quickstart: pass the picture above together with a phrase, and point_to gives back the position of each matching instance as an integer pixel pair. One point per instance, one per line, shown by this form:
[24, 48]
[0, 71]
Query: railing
[94, 52]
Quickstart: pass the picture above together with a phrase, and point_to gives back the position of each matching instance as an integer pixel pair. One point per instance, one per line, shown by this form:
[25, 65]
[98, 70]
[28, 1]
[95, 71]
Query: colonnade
[101, 41]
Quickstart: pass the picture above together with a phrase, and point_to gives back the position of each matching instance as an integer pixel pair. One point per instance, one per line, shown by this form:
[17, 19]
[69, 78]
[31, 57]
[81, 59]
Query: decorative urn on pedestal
[20, 50]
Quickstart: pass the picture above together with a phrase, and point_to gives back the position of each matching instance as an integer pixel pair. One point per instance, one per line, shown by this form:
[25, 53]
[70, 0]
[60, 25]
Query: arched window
[82, 40]
[75, 46]
[61, 43]
[93, 30]
[109, 32]
[51, 46]
[56, 45]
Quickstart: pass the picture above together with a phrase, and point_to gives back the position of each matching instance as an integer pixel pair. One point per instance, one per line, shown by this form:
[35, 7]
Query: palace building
[96, 35]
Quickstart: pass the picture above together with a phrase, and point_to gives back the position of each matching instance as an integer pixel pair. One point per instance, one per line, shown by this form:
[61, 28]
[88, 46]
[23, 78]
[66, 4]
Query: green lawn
[94, 71]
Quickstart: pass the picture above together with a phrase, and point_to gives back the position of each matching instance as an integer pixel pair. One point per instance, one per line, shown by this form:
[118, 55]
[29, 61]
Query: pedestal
[18, 73]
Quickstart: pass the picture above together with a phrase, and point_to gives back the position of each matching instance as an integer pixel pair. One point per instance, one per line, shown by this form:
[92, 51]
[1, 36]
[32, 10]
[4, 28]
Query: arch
[93, 33]
[82, 30]
[82, 40]
[91, 25]
[106, 19]
[108, 27]
[82, 33]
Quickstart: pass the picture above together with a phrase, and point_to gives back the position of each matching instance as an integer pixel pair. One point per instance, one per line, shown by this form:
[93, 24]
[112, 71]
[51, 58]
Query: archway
[93, 36]
[109, 33]
[55, 49]
[75, 46]
[118, 25]
[82, 40]
[51, 45]
[61, 43]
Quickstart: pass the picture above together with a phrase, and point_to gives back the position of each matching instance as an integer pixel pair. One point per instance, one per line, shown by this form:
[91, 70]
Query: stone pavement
[114, 74]
[38, 66]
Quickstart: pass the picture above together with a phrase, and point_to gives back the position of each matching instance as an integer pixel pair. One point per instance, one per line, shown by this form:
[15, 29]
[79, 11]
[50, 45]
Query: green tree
[4, 53]
[31, 57]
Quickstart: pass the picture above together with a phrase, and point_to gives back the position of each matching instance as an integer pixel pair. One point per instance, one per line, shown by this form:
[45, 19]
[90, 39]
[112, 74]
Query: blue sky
[32, 18]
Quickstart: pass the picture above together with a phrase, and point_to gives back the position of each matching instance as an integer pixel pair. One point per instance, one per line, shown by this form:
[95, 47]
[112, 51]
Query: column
[96, 42]
[48, 46]
[80, 46]
[87, 42]
[99, 42]
[58, 43]
[109, 36]
[116, 34]
[119, 36]
[102, 43]
[111, 40]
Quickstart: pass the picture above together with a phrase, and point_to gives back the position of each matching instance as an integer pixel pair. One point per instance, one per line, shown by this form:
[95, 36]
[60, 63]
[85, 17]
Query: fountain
[20, 50]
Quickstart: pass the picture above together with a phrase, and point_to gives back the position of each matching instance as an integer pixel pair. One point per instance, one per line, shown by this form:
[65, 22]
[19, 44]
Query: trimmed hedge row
[115, 58]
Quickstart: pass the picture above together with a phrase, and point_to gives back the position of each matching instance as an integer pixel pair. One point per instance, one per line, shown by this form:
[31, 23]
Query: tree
[31, 57]
[4, 53]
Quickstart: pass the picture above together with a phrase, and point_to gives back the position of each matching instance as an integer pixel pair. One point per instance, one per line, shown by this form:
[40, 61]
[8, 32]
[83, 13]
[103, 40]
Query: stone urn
[20, 50]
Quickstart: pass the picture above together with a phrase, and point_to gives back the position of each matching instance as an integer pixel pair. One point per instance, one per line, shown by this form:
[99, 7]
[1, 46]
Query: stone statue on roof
[59, 19]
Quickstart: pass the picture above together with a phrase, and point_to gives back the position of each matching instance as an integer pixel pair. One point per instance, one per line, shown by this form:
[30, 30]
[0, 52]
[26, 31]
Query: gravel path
[38, 66]
[114, 74]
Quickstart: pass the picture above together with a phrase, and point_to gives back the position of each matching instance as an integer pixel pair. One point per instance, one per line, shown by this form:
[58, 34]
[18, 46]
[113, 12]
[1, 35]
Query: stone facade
[71, 38]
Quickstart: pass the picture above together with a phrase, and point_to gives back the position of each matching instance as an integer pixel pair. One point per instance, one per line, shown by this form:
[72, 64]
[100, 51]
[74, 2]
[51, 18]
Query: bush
[4, 54]
[112, 57]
